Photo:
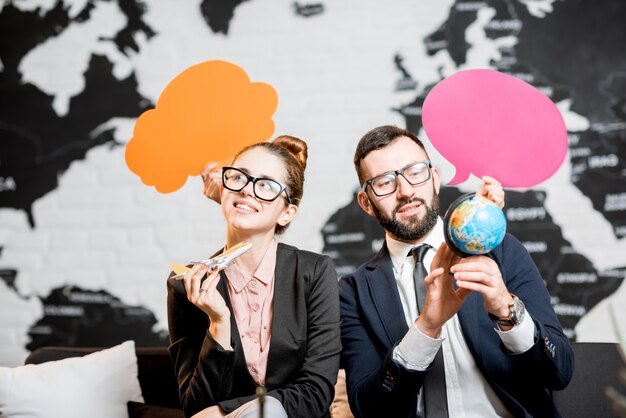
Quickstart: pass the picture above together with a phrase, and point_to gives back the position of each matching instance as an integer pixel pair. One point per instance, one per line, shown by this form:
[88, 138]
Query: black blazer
[373, 323]
[304, 347]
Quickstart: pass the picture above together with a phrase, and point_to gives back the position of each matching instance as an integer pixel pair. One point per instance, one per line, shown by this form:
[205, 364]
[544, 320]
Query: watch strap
[501, 321]
[513, 319]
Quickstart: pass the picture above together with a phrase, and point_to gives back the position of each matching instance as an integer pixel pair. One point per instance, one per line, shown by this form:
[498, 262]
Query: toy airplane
[222, 260]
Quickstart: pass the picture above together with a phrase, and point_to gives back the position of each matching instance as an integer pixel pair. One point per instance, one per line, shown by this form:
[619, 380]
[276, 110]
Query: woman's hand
[492, 190]
[204, 295]
[210, 412]
[212, 181]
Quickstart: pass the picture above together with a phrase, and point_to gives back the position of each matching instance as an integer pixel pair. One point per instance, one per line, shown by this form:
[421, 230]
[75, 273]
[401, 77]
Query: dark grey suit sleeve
[550, 361]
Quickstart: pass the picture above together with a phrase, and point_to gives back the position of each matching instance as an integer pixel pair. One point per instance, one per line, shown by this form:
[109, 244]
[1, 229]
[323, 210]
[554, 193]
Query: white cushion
[97, 385]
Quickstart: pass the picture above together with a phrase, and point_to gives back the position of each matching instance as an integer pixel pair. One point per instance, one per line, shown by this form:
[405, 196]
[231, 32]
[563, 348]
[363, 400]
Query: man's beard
[416, 227]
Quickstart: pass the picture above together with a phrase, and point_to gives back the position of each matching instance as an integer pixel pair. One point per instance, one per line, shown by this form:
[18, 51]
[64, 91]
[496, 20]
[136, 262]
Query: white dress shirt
[468, 393]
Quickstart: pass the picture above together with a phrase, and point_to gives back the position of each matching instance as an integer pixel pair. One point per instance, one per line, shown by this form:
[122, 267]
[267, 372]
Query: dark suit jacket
[373, 323]
[304, 348]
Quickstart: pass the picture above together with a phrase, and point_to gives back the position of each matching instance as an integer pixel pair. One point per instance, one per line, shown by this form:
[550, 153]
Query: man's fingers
[440, 258]
[492, 190]
[475, 263]
[491, 180]
[462, 293]
[475, 277]
[430, 278]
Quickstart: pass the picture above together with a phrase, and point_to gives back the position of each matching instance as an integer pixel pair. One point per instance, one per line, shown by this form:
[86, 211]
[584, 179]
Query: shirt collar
[398, 250]
[264, 272]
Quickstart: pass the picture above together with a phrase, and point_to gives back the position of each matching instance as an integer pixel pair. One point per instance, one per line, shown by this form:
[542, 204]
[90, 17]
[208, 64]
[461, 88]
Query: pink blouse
[252, 300]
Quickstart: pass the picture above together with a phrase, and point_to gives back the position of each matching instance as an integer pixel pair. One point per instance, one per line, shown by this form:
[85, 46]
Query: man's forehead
[399, 153]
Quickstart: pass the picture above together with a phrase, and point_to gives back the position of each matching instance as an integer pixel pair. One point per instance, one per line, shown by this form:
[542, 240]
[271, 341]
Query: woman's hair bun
[295, 146]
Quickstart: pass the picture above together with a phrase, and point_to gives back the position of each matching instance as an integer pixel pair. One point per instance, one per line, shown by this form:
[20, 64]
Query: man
[390, 339]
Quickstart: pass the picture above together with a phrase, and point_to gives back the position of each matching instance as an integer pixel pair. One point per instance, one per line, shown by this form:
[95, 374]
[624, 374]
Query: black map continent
[218, 14]
[36, 144]
[582, 47]
[75, 317]
[573, 52]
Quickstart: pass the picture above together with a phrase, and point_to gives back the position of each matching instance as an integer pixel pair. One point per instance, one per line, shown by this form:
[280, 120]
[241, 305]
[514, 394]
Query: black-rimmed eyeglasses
[387, 183]
[266, 189]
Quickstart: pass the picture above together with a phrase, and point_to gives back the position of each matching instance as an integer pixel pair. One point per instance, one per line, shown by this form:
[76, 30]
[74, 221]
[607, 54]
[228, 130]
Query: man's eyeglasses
[266, 189]
[387, 183]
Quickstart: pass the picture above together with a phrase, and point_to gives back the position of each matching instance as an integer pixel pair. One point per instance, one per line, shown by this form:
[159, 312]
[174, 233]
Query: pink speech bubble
[488, 123]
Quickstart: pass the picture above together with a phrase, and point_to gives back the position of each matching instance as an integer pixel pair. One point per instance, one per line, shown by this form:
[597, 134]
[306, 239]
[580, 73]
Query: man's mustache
[406, 202]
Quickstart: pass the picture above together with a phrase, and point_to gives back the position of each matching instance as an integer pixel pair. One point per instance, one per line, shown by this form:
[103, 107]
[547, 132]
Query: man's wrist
[504, 310]
[430, 331]
[515, 316]
[416, 350]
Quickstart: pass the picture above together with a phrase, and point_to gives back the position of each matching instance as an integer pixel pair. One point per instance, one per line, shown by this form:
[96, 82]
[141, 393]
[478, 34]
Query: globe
[473, 225]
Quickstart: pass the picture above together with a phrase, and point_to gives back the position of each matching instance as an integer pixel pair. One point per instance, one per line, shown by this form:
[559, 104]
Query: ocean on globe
[474, 225]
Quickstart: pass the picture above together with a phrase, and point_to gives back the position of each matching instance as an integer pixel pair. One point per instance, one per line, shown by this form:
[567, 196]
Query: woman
[271, 319]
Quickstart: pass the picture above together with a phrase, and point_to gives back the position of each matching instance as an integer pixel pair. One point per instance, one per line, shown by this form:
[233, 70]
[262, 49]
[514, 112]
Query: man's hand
[443, 301]
[212, 181]
[492, 190]
[481, 274]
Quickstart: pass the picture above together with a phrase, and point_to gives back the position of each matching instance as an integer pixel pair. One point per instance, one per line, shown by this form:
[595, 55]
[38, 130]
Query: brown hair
[379, 138]
[294, 153]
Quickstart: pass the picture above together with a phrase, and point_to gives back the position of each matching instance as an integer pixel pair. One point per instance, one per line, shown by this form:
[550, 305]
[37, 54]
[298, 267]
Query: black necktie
[435, 400]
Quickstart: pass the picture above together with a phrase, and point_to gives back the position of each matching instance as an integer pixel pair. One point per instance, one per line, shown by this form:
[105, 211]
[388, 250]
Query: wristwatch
[516, 313]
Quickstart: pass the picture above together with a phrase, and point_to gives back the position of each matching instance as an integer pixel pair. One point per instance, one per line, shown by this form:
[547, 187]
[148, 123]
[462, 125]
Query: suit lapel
[470, 325]
[385, 297]
[222, 288]
[284, 321]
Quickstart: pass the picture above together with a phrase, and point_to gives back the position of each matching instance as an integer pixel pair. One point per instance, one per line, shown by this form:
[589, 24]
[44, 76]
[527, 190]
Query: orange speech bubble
[206, 113]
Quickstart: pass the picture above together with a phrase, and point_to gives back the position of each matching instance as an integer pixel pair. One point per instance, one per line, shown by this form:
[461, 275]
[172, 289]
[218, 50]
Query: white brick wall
[334, 75]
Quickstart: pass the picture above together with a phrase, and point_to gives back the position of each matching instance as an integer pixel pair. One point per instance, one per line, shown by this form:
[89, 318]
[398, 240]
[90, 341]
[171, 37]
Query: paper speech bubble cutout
[489, 123]
[206, 113]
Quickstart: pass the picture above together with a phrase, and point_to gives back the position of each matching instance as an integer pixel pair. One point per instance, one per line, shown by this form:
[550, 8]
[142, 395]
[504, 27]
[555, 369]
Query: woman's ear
[287, 215]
